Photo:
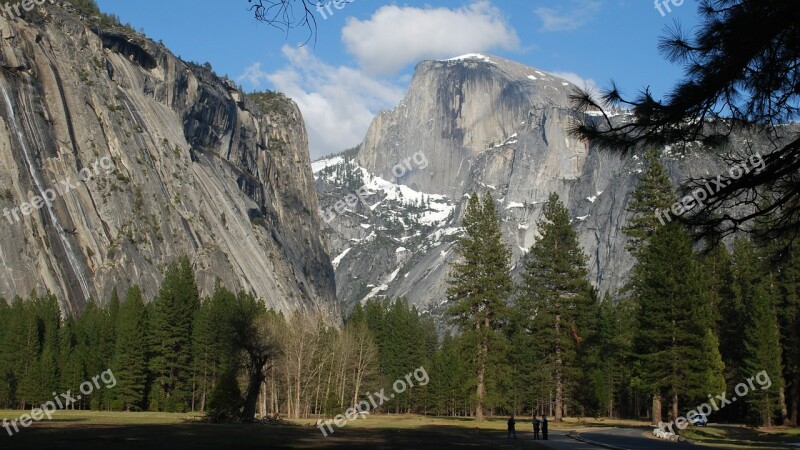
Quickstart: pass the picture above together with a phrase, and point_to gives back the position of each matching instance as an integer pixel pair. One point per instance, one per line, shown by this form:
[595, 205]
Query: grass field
[151, 431]
[740, 437]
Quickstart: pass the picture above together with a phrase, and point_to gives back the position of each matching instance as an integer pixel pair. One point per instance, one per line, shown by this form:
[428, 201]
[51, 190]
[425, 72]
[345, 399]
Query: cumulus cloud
[571, 17]
[395, 36]
[338, 103]
[584, 83]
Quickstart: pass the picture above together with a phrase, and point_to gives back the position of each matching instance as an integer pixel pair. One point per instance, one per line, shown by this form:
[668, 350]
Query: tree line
[226, 355]
[686, 327]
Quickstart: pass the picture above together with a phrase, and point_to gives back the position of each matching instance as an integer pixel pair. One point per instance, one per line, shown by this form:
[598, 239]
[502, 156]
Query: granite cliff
[143, 158]
[480, 123]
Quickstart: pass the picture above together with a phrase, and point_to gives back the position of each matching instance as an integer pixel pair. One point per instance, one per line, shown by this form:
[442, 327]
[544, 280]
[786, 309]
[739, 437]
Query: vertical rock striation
[197, 168]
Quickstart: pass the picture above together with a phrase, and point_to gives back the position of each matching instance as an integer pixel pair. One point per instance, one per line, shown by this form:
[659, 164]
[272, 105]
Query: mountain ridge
[485, 124]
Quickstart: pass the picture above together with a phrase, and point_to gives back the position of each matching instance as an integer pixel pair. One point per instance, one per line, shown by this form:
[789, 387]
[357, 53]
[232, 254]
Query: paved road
[622, 438]
[559, 440]
[632, 439]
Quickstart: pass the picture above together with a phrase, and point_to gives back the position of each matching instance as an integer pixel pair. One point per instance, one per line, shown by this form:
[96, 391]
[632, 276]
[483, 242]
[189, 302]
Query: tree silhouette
[286, 15]
[742, 74]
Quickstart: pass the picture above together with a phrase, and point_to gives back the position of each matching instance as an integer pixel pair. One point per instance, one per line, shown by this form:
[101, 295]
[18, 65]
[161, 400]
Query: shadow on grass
[238, 436]
[743, 436]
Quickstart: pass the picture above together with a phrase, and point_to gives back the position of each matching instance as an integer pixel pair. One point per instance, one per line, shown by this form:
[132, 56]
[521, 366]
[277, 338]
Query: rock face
[483, 124]
[145, 158]
[453, 112]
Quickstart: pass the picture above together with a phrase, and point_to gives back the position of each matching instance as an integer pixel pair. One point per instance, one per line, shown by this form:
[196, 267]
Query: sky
[364, 54]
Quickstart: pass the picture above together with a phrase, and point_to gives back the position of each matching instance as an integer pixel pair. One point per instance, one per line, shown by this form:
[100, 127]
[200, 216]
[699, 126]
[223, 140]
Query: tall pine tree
[650, 203]
[762, 353]
[130, 354]
[480, 285]
[173, 313]
[556, 298]
[677, 357]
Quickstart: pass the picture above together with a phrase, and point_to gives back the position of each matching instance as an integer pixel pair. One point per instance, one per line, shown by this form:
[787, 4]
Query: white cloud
[396, 36]
[338, 103]
[583, 83]
[587, 84]
[578, 14]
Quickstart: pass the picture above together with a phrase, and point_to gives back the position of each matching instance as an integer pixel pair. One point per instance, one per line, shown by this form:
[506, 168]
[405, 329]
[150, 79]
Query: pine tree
[71, 357]
[675, 355]
[480, 285]
[763, 354]
[25, 347]
[746, 268]
[625, 313]
[49, 322]
[171, 325]
[5, 355]
[788, 285]
[653, 195]
[711, 376]
[603, 360]
[719, 275]
[212, 344]
[130, 355]
[96, 337]
[650, 203]
[556, 297]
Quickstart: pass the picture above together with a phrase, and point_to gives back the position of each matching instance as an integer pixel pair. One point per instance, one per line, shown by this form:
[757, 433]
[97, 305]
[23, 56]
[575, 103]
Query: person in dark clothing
[536, 424]
[544, 427]
[511, 427]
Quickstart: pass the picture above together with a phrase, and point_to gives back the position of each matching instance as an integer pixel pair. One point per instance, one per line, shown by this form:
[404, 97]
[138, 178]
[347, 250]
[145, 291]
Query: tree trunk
[289, 408]
[359, 374]
[782, 403]
[297, 393]
[256, 377]
[263, 400]
[675, 407]
[251, 400]
[559, 412]
[795, 400]
[766, 416]
[483, 352]
[316, 394]
[656, 409]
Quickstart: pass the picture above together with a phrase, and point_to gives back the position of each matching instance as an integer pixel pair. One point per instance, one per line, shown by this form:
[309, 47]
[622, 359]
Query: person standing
[544, 427]
[536, 424]
[512, 427]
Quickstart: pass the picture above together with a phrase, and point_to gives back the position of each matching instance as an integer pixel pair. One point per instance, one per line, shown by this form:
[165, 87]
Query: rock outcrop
[180, 162]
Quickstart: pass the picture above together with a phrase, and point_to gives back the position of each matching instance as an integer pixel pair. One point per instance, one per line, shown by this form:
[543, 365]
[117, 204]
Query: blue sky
[365, 52]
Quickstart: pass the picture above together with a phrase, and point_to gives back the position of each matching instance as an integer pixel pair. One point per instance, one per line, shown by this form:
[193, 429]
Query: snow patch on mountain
[472, 56]
[339, 258]
[321, 164]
